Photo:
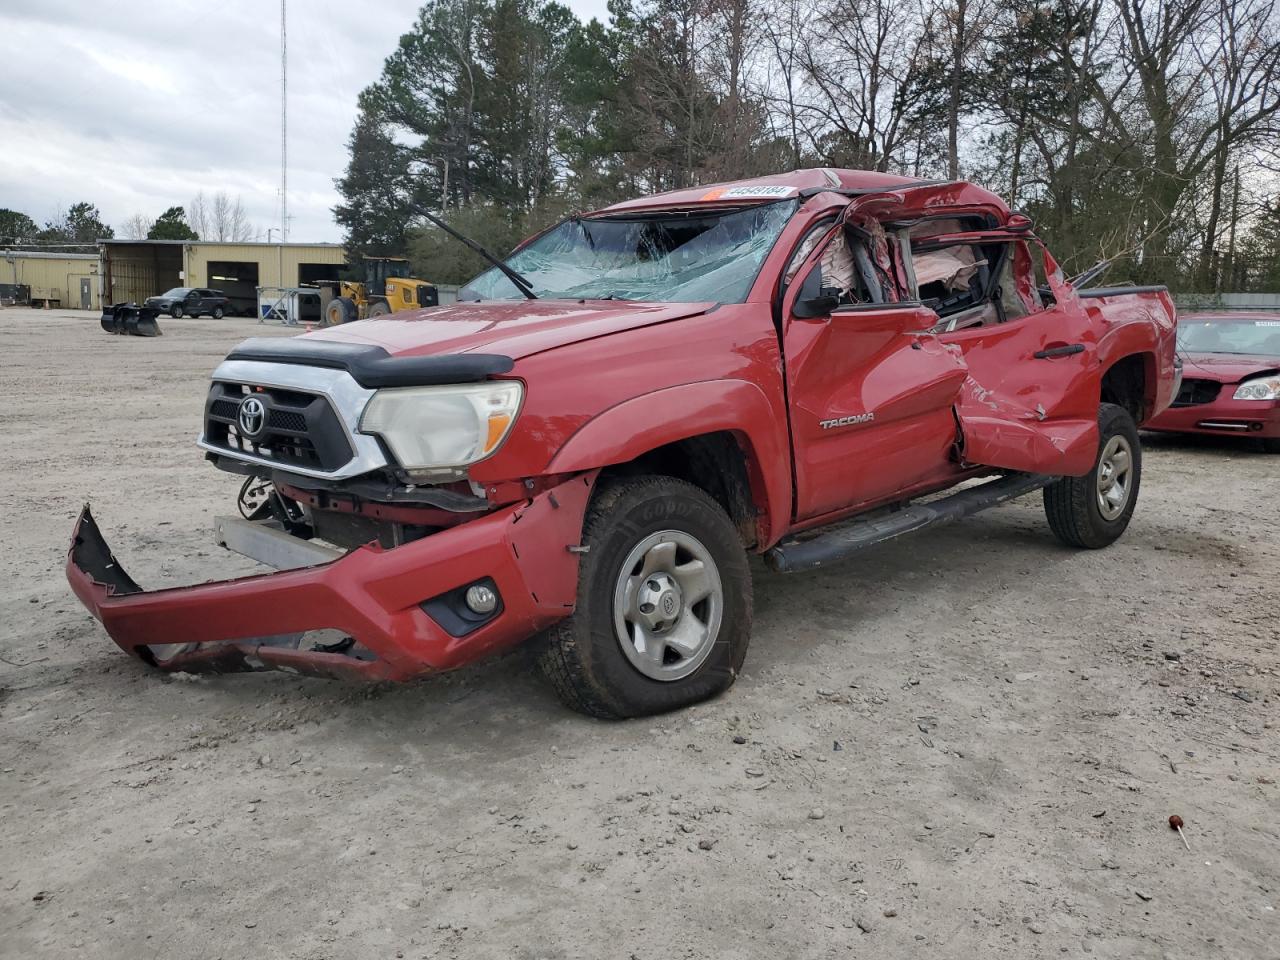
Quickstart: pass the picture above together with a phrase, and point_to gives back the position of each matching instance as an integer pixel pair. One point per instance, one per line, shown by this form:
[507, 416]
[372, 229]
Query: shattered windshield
[1230, 336]
[686, 257]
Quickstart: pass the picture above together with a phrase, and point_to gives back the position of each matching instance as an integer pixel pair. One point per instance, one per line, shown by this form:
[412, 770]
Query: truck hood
[1229, 367]
[512, 328]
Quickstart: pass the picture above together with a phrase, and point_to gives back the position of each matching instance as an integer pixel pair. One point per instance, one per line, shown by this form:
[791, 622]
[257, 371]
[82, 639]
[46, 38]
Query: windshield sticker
[748, 193]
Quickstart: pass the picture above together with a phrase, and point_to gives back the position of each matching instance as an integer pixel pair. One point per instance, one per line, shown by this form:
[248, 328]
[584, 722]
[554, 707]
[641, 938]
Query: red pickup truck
[588, 445]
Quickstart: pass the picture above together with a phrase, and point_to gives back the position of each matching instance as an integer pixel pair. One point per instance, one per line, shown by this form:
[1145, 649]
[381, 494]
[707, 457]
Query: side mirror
[811, 301]
[815, 307]
[428, 296]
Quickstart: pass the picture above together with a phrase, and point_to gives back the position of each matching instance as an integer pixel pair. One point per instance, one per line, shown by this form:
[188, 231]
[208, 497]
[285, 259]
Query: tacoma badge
[847, 421]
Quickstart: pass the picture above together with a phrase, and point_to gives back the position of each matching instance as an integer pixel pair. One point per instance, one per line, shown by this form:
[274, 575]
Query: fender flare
[1120, 346]
[634, 427]
[1134, 329]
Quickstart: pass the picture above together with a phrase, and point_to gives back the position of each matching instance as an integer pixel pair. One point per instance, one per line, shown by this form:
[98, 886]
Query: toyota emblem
[252, 417]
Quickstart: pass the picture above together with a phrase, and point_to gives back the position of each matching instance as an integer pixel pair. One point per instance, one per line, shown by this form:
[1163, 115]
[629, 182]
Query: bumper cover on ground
[371, 594]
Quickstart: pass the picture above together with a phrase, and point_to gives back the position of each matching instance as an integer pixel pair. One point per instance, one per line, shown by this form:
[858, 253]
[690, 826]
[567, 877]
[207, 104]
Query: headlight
[1264, 388]
[439, 428]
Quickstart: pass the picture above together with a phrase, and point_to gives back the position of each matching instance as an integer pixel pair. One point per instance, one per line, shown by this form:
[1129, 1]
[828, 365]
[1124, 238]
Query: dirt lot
[966, 745]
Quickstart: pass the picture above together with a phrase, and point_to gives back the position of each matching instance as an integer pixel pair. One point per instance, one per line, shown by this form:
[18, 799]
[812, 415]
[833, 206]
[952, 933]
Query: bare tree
[669, 100]
[198, 215]
[220, 218]
[786, 36]
[137, 227]
[865, 72]
[953, 29]
[1239, 56]
[729, 60]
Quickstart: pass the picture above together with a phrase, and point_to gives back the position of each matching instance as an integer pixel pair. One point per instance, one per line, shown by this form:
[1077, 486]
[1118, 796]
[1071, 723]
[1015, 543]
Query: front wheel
[340, 310]
[1092, 511]
[176, 311]
[663, 613]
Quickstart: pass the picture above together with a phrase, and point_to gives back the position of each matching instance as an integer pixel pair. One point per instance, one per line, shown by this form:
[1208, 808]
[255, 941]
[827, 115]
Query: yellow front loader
[386, 288]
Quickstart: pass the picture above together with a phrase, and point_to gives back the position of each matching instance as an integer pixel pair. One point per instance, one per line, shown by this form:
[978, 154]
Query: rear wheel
[176, 311]
[217, 313]
[1093, 511]
[379, 308]
[663, 613]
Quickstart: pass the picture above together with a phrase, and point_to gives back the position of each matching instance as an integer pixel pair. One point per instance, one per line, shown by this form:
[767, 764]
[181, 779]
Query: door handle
[1063, 351]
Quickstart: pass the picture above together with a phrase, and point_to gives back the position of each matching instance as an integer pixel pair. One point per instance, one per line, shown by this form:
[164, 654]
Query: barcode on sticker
[748, 193]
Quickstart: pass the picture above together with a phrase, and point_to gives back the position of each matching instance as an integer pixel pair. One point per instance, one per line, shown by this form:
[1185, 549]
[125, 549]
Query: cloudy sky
[136, 106]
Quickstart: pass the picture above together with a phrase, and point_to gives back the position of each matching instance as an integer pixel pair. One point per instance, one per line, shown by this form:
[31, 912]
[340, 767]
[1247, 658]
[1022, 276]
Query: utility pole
[284, 126]
[284, 148]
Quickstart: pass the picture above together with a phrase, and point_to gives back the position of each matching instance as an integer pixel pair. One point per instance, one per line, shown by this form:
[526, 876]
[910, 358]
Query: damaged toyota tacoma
[587, 447]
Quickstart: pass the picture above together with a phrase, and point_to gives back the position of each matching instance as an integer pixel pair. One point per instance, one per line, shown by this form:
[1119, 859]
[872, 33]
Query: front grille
[299, 430]
[287, 420]
[1196, 392]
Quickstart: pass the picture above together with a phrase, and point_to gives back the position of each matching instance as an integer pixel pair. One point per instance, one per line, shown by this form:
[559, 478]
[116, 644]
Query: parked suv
[191, 302]
[590, 444]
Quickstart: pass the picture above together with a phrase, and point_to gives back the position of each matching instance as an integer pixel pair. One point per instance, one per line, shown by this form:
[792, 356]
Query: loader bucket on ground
[129, 318]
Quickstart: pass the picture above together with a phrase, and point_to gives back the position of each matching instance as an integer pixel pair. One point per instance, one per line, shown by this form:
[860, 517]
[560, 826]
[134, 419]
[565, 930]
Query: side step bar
[851, 537]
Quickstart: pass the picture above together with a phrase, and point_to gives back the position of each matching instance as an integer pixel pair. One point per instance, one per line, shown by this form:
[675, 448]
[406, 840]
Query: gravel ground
[965, 745]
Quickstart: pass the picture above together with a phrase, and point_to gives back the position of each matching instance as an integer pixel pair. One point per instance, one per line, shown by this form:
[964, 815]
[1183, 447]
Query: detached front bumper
[372, 595]
[1222, 417]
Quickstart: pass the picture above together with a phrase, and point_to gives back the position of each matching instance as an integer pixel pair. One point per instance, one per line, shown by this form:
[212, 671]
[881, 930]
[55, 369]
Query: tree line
[219, 217]
[1147, 131]
[80, 225]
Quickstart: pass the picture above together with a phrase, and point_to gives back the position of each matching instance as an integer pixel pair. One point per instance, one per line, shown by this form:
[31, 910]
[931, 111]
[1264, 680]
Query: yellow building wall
[55, 279]
[277, 265]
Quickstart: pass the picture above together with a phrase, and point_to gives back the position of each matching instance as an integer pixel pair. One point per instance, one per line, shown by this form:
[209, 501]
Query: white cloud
[136, 106]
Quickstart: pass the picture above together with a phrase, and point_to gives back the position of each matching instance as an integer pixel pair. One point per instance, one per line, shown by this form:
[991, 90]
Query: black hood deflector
[371, 366]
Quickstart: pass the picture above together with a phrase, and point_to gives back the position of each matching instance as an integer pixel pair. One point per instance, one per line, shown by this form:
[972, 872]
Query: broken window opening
[966, 270]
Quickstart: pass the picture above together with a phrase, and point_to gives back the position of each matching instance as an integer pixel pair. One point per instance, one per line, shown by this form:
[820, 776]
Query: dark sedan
[1230, 378]
[191, 302]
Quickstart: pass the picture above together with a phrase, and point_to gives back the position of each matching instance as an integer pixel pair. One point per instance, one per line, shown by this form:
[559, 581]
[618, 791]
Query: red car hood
[1228, 367]
[512, 328]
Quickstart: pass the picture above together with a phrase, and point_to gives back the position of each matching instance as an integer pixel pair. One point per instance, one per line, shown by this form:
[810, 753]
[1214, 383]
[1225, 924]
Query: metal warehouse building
[133, 270]
[61, 279]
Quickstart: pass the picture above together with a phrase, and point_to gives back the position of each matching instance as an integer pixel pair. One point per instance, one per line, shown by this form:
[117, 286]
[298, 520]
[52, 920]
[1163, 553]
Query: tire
[662, 525]
[340, 310]
[1092, 511]
[1271, 445]
[176, 311]
[217, 313]
[379, 308]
